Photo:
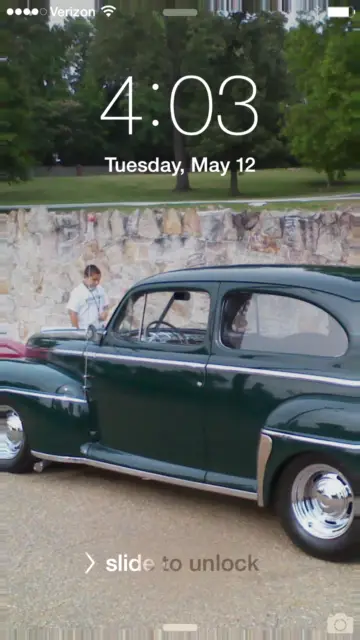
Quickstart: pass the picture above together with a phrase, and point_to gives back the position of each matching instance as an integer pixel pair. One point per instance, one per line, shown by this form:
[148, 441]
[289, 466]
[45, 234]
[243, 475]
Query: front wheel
[316, 504]
[15, 456]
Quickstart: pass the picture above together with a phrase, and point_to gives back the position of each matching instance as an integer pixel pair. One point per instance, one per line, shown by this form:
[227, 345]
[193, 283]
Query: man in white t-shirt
[88, 303]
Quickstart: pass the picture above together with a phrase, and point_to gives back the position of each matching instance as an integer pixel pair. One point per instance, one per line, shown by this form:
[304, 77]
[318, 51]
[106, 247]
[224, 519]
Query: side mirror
[94, 334]
[182, 295]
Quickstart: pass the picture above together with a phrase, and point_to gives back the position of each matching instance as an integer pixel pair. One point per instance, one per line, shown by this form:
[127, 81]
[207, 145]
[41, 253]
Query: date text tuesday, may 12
[197, 165]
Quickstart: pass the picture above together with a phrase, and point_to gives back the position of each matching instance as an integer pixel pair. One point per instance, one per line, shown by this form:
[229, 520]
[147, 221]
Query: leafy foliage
[322, 125]
[58, 81]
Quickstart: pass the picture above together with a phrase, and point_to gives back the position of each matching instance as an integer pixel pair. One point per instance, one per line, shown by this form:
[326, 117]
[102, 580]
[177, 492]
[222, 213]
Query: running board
[147, 475]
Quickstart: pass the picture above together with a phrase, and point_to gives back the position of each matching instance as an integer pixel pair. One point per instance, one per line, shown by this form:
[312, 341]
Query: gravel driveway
[253, 576]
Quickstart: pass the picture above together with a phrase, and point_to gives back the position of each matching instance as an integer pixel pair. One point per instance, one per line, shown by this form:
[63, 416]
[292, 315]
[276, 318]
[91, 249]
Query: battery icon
[339, 12]
[182, 13]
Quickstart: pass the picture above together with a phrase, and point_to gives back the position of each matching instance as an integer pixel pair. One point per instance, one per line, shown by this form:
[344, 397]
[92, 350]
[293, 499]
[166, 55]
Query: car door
[267, 329]
[147, 379]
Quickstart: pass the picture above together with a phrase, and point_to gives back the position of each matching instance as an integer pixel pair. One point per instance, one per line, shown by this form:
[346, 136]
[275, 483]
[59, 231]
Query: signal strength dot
[25, 12]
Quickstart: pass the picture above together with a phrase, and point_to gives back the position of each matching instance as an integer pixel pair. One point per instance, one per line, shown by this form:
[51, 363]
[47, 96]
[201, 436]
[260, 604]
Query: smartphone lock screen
[180, 303]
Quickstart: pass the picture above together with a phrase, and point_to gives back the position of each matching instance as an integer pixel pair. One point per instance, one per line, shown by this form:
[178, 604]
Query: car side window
[279, 323]
[177, 317]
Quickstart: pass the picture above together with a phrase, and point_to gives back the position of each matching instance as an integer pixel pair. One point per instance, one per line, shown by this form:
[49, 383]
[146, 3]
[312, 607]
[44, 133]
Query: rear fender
[309, 424]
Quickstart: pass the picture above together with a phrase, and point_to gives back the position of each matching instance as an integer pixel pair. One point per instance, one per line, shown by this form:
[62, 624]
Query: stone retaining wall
[45, 252]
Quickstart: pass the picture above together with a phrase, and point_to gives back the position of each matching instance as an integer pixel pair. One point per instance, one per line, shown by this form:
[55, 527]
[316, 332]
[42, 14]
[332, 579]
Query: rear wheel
[316, 504]
[15, 455]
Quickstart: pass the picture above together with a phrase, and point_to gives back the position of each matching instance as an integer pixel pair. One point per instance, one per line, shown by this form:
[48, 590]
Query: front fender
[37, 375]
[52, 405]
[311, 424]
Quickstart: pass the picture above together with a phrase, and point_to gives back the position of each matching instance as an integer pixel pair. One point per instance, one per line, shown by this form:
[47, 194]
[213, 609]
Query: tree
[78, 134]
[60, 96]
[15, 122]
[78, 35]
[353, 65]
[251, 48]
[175, 40]
[323, 123]
[36, 56]
[15, 126]
[170, 49]
[114, 56]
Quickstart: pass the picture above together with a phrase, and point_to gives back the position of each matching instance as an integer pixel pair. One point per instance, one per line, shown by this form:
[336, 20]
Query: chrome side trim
[312, 440]
[96, 355]
[264, 452]
[68, 352]
[164, 361]
[146, 475]
[275, 373]
[40, 394]
[309, 377]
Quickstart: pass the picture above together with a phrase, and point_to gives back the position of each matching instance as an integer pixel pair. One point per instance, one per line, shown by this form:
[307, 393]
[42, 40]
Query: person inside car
[234, 319]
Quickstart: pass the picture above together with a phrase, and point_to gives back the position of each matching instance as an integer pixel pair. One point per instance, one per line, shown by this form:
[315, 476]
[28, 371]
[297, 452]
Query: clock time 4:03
[127, 89]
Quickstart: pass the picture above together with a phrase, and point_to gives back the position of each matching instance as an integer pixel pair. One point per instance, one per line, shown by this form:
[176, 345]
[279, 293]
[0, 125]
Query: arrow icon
[91, 560]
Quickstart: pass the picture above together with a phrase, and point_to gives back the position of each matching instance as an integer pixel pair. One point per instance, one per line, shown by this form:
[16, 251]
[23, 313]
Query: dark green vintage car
[241, 380]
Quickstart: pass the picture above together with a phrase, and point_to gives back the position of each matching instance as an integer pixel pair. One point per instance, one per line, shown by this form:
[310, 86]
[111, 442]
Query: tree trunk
[330, 178]
[182, 179]
[234, 189]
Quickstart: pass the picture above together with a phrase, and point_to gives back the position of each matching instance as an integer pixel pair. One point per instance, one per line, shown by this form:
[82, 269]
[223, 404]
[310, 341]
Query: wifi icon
[108, 9]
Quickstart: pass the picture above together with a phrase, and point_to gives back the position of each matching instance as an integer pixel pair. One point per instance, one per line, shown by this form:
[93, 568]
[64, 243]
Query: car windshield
[165, 316]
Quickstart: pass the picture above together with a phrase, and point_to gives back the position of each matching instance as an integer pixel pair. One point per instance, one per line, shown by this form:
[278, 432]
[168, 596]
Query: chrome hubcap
[11, 434]
[323, 502]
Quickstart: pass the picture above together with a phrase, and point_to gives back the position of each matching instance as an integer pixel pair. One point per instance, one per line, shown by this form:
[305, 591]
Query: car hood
[51, 338]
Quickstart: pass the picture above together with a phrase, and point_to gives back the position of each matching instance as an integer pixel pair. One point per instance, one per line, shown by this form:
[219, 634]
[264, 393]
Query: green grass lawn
[264, 184]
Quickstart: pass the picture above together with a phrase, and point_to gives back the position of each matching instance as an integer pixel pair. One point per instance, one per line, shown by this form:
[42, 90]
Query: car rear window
[277, 323]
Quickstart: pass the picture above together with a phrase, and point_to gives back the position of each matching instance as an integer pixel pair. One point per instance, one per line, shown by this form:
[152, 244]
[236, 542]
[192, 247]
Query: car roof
[340, 281]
